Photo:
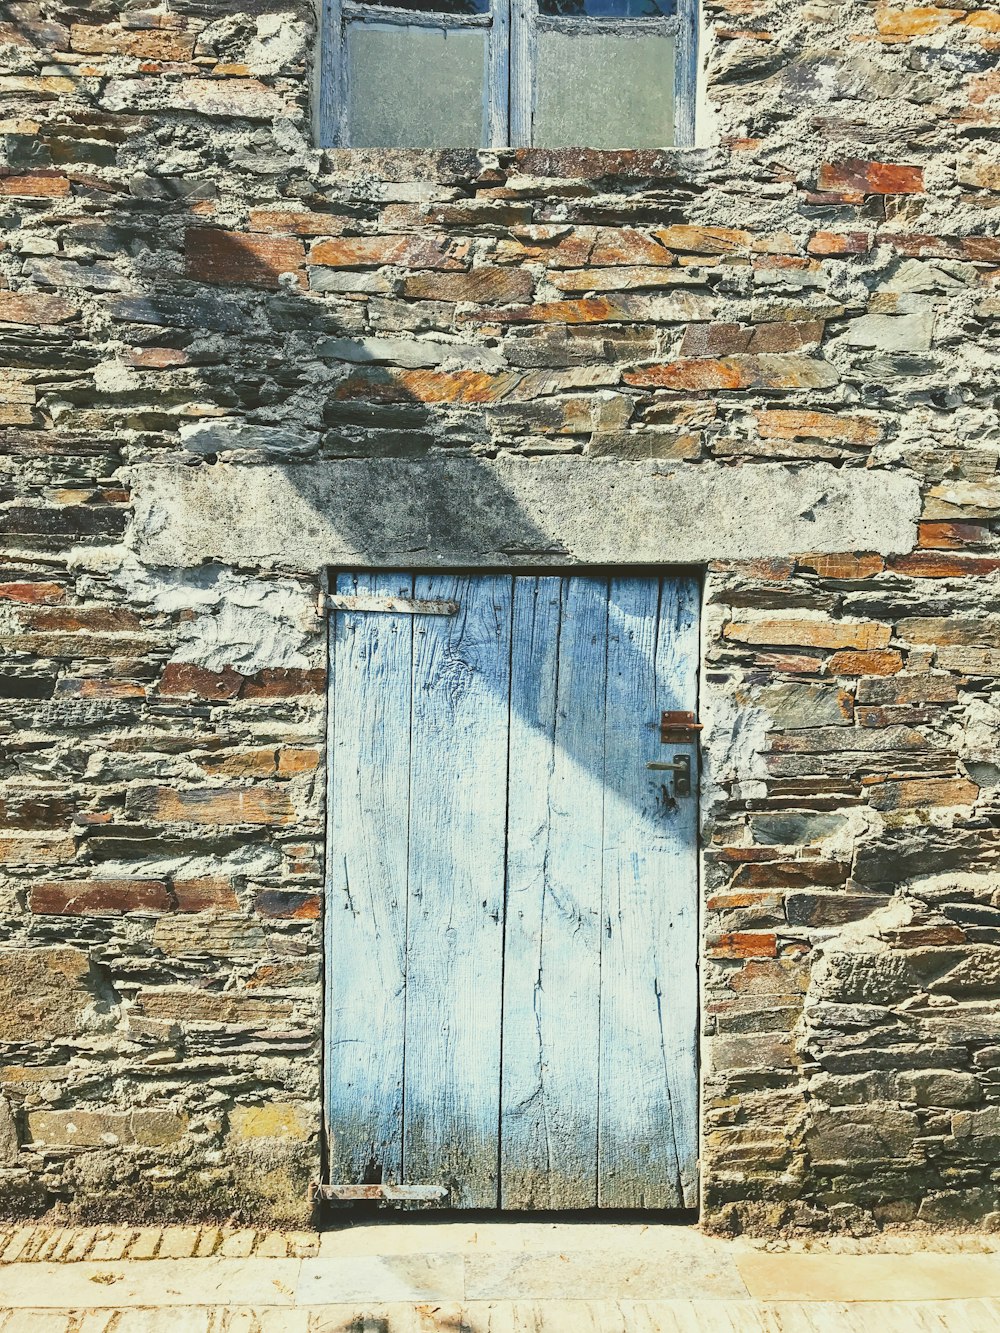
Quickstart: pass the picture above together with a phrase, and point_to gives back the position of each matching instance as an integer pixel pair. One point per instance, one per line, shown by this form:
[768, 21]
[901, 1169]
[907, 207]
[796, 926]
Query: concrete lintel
[509, 511]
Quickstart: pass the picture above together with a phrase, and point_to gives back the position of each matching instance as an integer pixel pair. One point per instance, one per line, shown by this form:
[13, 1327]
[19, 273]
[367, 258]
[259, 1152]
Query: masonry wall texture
[191, 291]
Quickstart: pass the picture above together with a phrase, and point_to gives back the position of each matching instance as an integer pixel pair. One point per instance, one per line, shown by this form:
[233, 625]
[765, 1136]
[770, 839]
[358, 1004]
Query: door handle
[681, 769]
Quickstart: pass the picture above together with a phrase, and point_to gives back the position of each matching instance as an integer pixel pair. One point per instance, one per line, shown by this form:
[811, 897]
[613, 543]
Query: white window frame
[510, 93]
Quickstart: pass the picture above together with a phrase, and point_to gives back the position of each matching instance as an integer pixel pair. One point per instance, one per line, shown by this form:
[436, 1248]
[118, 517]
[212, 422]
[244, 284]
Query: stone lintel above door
[504, 512]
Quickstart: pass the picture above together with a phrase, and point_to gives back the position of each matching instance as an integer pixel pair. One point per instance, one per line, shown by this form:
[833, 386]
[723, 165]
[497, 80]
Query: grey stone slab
[151, 1283]
[870, 1277]
[704, 1272]
[508, 511]
[396, 1277]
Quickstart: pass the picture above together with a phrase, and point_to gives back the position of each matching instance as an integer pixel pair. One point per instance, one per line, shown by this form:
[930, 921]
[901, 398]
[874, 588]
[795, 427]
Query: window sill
[399, 164]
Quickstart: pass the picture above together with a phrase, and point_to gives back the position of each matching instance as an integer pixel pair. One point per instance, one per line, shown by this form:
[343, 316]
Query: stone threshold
[43, 1242]
[502, 1267]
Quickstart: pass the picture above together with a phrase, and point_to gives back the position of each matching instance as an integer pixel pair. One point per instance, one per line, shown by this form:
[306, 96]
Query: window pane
[609, 9]
[604, 91]
[415, 87]
[443, 6]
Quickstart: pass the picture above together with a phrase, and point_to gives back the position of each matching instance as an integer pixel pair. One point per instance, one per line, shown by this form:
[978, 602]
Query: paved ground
[419, 1276]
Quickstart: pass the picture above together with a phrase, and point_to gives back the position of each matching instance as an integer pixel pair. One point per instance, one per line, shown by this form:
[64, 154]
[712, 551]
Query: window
[493, 73]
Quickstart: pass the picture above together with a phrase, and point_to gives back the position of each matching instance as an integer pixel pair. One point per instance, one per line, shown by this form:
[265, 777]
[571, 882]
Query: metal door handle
[681, 769]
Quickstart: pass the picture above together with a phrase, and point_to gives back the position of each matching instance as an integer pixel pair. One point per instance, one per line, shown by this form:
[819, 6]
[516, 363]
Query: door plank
[649, 1000]
[551, 1015]
[369, 762]
[458, 786]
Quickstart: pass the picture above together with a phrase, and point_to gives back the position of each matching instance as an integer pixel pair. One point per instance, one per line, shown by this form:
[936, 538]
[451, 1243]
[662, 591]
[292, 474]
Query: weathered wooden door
[512, 914]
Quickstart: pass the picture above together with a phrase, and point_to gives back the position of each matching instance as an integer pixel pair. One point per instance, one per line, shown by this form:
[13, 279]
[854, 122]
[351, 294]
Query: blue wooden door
[512, 907]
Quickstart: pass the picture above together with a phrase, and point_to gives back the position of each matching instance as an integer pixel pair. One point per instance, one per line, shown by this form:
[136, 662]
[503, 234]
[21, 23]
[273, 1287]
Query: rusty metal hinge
[408, 606]
[382, 1193]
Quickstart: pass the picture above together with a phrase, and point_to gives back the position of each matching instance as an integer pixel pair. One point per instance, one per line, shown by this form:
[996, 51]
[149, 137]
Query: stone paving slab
[488, 1277]
[677, 1316]
[876, 1277]
[35, 1241]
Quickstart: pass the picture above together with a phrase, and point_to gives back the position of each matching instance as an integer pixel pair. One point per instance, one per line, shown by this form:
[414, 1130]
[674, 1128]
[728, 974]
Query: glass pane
[447, 6]
[413, 87]
[604, 91]
[609, 9]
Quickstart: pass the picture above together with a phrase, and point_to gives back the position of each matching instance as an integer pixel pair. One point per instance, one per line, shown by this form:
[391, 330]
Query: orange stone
[744, 944]
[899, 25]
[483, 285]
[859, 174]
[297, 759]
[297, 222]
[212, 805]
[840, 243]
[792, 424]
[233, 257]
[157, 358]
[776, 371]
[879, 663]
[949, 536]
[704, 240]
[31, 592]
[846, 566]
[150, 43]
[931, 565]
[863, 634]
[984, 86]
[39, 185]
[913, 792]
[399, 251]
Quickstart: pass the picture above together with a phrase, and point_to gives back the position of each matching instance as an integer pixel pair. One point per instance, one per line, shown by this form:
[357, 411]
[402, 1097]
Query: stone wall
[195, 301]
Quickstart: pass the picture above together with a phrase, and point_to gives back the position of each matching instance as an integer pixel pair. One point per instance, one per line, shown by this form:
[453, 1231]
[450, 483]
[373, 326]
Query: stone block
[826, 243]
[247, 99]
[232, 257]
[738, 373]
[794, 423]
[984, 1124]
[792, 631]
[210, 935]
[939, 1087]
[37, 185]
[370, 511]
[288, 904]
[81, 897]
[485, 285]
[268, 806]
[35, 308]
[146, 44]
[829, 909]
[904, 24]
[976, 975]
[705, 240]
[884, 662]
[434, 252]
[890, 333]
[866, 177]
[860, 1137]
[793, 705]
[9, 1136]
[273, 1120]
[911, 793]
[743, 944]
[46, 994]
[84, 1128]
[187, 1005]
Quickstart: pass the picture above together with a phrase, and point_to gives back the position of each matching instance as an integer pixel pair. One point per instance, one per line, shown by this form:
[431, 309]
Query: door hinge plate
[383, 1193]
[406, 606]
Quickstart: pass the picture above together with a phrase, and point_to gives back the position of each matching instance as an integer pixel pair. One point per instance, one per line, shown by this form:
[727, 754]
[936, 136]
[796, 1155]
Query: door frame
[562, 569]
